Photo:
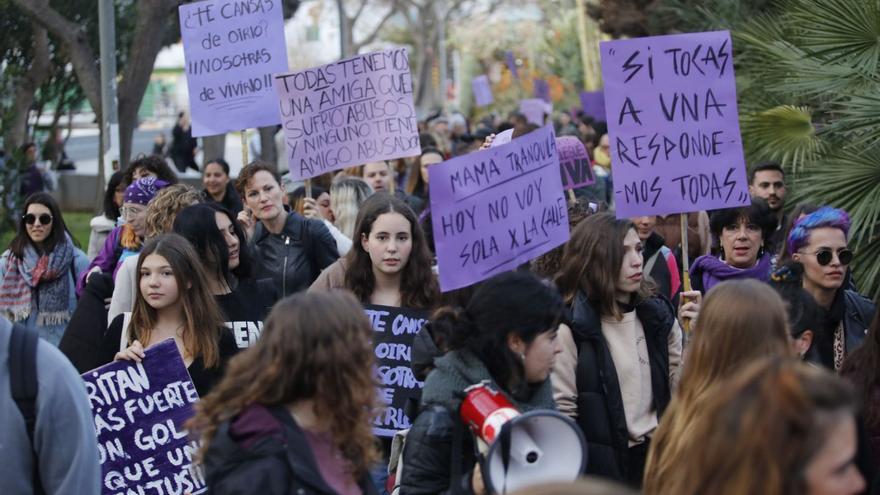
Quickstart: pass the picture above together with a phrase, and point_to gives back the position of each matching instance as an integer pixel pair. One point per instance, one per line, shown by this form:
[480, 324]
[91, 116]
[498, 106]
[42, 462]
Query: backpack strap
[24, 384]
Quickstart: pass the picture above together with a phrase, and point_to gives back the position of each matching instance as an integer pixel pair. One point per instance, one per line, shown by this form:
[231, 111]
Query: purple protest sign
[511, 64]
[348, 113]
[542, 89]
[593, 104]
[482, 91]
[574, 163]
[139, 411]
[673, 124]
[535, 110]
[394, 329]
[231, 52]
[498, 208]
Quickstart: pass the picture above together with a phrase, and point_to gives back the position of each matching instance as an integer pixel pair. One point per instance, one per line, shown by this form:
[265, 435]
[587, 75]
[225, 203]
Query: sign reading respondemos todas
[393, 332]
[139, 411]
[348, 113]
[232, 48]
[498, 208]
[673, 124]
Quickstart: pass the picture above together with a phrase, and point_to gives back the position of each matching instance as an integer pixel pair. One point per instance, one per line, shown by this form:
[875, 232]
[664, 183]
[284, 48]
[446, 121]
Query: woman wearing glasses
[125, 240]
[819, 242]
[38, 271]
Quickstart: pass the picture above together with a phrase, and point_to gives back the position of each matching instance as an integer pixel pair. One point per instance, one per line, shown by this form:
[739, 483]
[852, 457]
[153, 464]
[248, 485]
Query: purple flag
[511, 64]
[482, 91]
[574, 163]
[348, 113]
[394, 329]
[535, 110]
[139, 411]
[673, 124]
[593, 104]
[231, 55]
[542, 90]
[498, 208]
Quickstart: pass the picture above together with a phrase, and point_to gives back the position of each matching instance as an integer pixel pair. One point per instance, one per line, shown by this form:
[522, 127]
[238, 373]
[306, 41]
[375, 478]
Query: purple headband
[143, 190]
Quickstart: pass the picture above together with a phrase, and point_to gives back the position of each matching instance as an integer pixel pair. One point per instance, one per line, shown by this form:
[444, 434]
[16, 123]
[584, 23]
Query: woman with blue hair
[819, 242]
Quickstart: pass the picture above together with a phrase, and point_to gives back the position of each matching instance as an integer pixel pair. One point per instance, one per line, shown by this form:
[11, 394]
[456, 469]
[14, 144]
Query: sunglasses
[825, 256]
[45, 219]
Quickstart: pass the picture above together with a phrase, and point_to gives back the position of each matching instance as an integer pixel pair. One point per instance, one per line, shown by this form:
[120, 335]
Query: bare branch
[372, 36]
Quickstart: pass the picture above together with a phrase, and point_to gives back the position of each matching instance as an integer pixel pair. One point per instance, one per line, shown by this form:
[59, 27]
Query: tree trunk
[16, 133]
[213, 147]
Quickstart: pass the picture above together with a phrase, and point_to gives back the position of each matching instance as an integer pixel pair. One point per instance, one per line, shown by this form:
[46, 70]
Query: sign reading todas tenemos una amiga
[348, 113]
[232, 48]
[673, 124]
[139, 411]
[497, 208]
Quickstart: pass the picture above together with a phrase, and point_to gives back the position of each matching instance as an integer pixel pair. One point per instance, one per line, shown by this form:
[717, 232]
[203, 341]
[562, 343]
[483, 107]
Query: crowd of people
[764, 378]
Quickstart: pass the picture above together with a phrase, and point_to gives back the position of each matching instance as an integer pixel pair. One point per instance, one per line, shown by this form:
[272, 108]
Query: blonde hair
[730, 333]
[346, 197]
[164, 207]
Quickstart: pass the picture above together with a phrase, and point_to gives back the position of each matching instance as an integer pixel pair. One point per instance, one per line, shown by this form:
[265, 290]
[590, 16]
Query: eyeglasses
[45, 219]
[128, 212]
[824, 256]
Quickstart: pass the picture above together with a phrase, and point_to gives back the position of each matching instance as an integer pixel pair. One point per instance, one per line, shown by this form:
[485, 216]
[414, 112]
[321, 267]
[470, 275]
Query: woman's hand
[487, 143]
[134, 352]
[247, 221]
[310, 209]
[689, 307]
[477, 485]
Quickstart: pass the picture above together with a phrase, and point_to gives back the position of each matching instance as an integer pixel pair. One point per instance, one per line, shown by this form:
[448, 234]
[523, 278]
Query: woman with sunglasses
[819, 242]
[38, 271]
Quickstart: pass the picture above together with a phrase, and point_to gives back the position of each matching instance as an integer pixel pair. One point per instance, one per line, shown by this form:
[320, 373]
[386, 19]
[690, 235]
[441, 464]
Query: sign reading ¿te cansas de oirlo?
[232, 48]
[348, 113]
[139, 411]
[495, 209]
[673, 124]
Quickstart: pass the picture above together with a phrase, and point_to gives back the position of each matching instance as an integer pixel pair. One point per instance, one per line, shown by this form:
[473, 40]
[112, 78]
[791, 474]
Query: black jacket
[82, 338]
[266, 454]
[856, 311]
[294, 257]
[599, 402]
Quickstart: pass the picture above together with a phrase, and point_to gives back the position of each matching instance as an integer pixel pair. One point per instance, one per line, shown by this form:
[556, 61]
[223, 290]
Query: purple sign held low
[498, 208]
[348, 113]
[231, 53]
[482, 91]
[542, 90]
[535, 110]
[393, 332]
[673, 124]
[574, 163]
[593, 104]
[139, 411]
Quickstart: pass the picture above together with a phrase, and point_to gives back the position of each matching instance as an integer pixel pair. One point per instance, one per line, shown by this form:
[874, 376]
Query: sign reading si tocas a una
[393, 333]
[232, 48]
[497, 208]
[348, 113]
[574, 163]
[139, 410]
[673, 124]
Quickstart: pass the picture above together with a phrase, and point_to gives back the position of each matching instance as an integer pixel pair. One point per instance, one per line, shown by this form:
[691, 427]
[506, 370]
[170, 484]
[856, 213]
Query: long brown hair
[201, 316]
[315, 345]
[418, 288]
[759, 432]
[729, 334]
[592, 260]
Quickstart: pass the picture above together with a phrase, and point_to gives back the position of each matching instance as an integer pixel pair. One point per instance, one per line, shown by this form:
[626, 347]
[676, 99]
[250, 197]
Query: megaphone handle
[504, 437]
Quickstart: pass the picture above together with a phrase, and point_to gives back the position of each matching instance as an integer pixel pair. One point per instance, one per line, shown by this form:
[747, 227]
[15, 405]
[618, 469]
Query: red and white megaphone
[521, 450]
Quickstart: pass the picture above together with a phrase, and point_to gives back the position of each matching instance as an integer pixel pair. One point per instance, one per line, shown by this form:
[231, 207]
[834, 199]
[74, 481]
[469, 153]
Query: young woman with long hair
[778, 427]
[728, 335]
[391, 265]
[346, 197]
[288, 421]
[288, 248]
[507, 336]
[221, 245]
[38, 271]
[173, 301]
[623, 352]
